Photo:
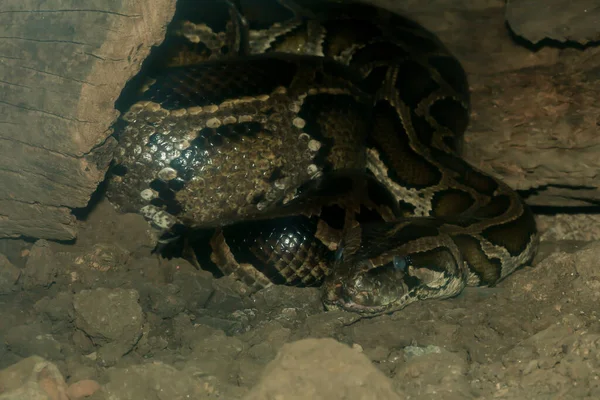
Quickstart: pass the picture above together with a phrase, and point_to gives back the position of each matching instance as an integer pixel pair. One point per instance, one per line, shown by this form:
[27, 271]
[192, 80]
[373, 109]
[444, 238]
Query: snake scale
[318, 144]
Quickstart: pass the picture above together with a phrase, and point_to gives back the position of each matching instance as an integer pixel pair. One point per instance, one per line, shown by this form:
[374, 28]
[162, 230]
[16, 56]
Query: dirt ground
[104, 317]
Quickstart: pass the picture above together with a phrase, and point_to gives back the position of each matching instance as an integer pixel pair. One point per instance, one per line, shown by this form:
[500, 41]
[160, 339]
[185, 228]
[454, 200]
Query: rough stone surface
[9, 274]
[581, 227]
[321, 369]
[434, 375]
[158, 380]
[42, 267]
[129, 232]
[113, 319]
[537, 130]
[33, 379]
[33, 339]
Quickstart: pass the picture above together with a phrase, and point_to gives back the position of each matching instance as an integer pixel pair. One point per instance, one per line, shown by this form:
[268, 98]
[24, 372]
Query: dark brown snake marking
[355, 136]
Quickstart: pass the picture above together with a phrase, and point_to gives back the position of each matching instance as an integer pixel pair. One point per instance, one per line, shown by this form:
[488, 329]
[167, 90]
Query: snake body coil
[324, 147]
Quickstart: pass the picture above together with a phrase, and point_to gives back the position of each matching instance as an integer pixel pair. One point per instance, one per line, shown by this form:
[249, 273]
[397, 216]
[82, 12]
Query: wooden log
[63, 63]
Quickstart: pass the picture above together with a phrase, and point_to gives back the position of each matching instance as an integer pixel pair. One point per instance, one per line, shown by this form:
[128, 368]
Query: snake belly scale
[322, 148]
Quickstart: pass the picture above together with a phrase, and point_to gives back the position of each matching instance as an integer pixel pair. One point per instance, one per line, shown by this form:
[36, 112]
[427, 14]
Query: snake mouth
[351, 306]
[365, 297]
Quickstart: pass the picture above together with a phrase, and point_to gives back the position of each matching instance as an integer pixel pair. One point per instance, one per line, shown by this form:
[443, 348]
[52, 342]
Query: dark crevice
[547, 42]
[82, 213]
[538, 189]
[553, 210]
[593, 206]
[161, 53]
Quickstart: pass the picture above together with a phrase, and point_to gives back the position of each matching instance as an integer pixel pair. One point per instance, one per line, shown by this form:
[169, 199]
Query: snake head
[381, 268]
[369, 275]
[365, 288]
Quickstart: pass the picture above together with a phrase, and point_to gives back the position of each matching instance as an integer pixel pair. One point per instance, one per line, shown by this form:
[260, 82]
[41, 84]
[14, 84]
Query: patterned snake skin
[318, 144]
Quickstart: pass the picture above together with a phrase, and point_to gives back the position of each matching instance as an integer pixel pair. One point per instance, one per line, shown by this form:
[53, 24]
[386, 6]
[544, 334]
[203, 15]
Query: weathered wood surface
[561, 20]
[63, 63]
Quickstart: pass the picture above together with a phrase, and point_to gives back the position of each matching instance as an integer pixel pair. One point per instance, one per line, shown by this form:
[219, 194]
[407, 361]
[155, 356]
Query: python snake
[319, 148]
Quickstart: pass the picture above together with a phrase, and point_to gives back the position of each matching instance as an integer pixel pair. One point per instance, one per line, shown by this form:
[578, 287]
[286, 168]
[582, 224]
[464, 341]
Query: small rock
[195, 287]
[110, 353]
[228, 296]
[265, 341]
[148, 267]
[59, 308]
[113, 319]
[262, 344]
[41, 268]
[215, 353]
[32, 378]
[185, 332]
[545, 343]
[377, 353]
[80, 368]
[357, 347]
[9, 275]
[165, 301]
[153, 381]
[105, 225]
[16, 250]
[247, 372]
[432, 372]
[82, 342]
[33, 339]
[109, 314]
[134, 234]
[321, 369]
[328, 324]
[81, 389]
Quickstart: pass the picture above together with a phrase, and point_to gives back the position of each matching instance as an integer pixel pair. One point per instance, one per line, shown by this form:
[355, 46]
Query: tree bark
[63, 63]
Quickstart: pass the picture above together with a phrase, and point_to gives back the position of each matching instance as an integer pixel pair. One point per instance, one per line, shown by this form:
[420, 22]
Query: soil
[106, 312]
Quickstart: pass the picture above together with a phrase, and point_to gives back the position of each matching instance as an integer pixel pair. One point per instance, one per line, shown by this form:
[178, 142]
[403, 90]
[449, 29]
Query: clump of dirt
[106, 318]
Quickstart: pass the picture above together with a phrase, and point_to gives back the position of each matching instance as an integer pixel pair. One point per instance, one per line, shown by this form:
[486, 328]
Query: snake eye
[400, 263]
